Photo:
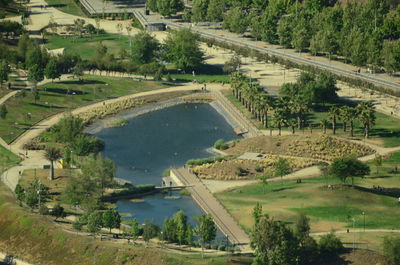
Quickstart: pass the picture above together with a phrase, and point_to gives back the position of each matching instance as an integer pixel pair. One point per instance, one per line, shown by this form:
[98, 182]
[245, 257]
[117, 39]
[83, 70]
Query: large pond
[156, 141]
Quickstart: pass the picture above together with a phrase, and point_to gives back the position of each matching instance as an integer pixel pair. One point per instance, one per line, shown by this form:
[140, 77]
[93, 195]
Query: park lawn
[37, 239]
[7, 159]
[67, 6]
[86, 46]
[54, 99]
[328, 209]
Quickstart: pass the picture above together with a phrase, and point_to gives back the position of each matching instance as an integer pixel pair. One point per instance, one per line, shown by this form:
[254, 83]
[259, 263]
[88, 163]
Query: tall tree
[3, 111]
[180, 220]
[236, 21]
[167, 8]
[35, 75]
[51, 71]
[182, 49]
[215, 10]
[333, 116]
[199, 10]
[279, 119]
[346, 167]
[205, 229]
[282, 167]
[152, 5]
[135, 230]
[366, 115]
[111, 219]
[5, 70]
[144, 48]
[52, 154]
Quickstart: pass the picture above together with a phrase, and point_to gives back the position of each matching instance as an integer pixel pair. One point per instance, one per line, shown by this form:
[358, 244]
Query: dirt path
[357, 231]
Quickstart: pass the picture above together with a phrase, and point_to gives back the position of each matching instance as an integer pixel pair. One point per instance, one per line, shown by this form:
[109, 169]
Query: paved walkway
[359, 230]
[211, 205]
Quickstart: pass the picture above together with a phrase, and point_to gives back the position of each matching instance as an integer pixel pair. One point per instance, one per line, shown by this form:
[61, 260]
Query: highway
[378, 81]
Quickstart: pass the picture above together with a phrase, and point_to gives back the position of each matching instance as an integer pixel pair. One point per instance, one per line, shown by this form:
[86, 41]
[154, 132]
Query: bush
[135, 190]
[43, 210]
[84, 145]
[259, 168]
[330, 245]
[221, 145]
[241, 171]
[222, 248]
[199, 162]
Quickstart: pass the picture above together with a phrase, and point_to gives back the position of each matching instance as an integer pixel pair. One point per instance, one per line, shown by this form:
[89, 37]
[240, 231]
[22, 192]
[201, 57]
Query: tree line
[365, 34]
[290, 109]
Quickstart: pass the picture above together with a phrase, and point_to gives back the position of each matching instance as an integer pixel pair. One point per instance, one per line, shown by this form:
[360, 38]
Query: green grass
[86, 46]
[54, 99]
[328, 209]
[7, 159]
[67, 6]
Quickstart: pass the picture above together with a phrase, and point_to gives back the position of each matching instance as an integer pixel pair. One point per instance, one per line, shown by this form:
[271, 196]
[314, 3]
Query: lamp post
[354, 234]
[363, 213]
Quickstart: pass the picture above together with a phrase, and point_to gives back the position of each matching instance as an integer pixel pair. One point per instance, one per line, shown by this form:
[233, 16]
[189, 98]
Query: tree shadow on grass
[391, 192]
[384, 133]
[282, 189]
[83, 82]
[48, 106]
[380, 177]
[64, 91]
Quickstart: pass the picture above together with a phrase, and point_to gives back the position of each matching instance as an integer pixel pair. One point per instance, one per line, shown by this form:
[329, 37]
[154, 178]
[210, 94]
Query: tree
[135, 230]
[391, 249]
[111, 219]
[330, 245]
[167, 8]
[215, 10]
[3, 111]
[264, 180]
[58, 211]
[182, 49]
[301, 36]
[79, 26]
[232, 65]
[257, 213]
[205, 229]
[51, 71]
[345, 167]
[285, 31]
[150, 230]
[302, 227]
[94, 222]
[378, 162]
[152, 5]
[333, 115]
[189, 235]
[390, 56]
[273, 242]
[52, 154]
[199, 10]
[35, 75]
[144, 48]
[236, 21]
[279, 119]
[5, 70]
[180, 220]
[282, 167]
[78, 72]
[366, 115]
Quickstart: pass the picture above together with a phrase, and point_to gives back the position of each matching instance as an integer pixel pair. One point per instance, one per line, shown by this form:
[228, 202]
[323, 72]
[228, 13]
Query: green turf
[327, 208]
[7, 159]
[67, 6]
[54, 99]
[86, 46]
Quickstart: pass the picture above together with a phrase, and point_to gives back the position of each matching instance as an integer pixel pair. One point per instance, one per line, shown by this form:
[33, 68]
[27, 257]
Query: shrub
[222, 248]
[43, 210]
[199, 162]
[84, 145]
[221, 145]
[330, 245]
[241, 171]
[259, 168]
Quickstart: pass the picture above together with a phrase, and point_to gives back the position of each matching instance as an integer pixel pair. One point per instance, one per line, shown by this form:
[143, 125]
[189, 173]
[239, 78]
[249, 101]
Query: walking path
[359, 230]
[211, 205]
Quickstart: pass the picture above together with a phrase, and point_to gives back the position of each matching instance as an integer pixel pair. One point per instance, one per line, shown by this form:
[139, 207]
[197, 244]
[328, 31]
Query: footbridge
[209, 204]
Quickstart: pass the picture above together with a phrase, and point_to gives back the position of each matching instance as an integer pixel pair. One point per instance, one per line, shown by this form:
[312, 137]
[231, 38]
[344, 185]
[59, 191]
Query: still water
[156, 141]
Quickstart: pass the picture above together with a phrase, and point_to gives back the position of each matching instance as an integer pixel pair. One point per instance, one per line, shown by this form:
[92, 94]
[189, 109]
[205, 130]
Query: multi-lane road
[220, 35]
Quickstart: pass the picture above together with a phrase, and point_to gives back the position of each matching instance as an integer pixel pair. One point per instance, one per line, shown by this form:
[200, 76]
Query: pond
[151, 143]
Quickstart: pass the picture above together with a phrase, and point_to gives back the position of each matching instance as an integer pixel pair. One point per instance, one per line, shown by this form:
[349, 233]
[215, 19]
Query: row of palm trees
[292, 111]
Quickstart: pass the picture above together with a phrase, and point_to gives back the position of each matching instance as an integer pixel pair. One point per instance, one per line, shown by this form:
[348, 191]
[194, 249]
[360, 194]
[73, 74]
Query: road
[204, 198]
[333, 67]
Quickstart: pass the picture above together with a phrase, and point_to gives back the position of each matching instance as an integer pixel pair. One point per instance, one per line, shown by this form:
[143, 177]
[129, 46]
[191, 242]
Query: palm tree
[348, 115]
[366, 115]
[333, 115]
[324, 123]
[279, 118]
[52, 154]
[298, 107]
[266, 104]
